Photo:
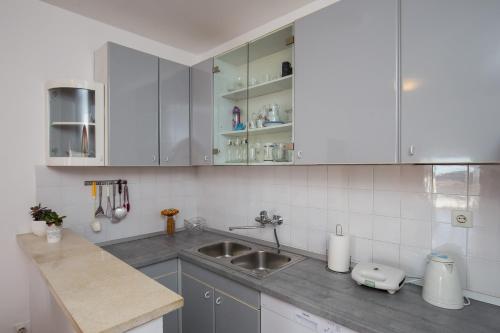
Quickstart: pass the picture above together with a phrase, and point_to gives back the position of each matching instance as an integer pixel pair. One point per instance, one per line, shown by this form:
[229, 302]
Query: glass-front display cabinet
[75, 123]
[253, 102]
[230, 107]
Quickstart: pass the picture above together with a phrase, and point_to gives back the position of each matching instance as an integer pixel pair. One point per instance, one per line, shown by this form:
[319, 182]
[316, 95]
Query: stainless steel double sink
[258, 261]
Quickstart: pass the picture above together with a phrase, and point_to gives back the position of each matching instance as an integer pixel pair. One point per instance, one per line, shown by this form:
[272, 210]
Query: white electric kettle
[442, 283]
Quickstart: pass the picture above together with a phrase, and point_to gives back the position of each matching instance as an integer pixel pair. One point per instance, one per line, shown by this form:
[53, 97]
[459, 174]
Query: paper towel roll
[339, 258]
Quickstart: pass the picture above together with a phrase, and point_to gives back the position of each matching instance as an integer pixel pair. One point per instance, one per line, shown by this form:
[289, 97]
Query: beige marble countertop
[97, 291]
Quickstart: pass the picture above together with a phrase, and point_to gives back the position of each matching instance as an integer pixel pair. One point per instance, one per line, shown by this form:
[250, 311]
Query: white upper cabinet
[450, 66]
[201, 112]
[131, 84]
[174, 113]
[346, 84]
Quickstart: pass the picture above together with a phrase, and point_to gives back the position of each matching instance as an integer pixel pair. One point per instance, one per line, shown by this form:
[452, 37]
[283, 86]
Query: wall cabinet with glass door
[253, 102]
[75, 123]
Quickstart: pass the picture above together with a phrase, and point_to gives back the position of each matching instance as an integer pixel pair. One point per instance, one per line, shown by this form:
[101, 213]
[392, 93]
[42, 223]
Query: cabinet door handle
[207, 294]
[166, 158]
[205, 158]
[299, 154]
[218, 301]
[154, 158]
[411, 150]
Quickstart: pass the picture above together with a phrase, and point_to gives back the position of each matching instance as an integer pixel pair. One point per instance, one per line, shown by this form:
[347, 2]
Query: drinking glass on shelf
[229, 151]
[237, 151]
[252, 153]
[259, 157]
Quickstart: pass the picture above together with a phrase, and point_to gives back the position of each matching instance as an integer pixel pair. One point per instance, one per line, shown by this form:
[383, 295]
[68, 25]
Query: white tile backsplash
[444, 204]
[338, 176]
[387, 177]
[416, 206]
[387, 203]
[387, 229]
[396, 214]
[450, 179]
[338, 198]
[361, 225]
[361, 249]
[151, 190]
[483, 276]
[416, 233]
[386, 253]
[450, 239]
[361, 201]
[361, 177]
[416, 178]
[413, 260]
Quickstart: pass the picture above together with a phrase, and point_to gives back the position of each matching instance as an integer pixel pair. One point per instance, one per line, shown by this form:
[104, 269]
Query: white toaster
[379, 276]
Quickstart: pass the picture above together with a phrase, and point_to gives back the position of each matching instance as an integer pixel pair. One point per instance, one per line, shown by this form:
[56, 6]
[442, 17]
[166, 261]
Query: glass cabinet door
[230, 107]
[75, 123]
[270, 99]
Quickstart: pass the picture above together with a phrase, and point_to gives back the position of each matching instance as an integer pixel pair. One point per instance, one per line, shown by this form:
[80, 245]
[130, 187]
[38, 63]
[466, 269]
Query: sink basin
[261, 261]
[224, 249]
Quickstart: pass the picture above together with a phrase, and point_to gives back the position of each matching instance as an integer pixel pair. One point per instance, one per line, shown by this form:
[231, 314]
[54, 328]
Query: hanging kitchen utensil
[120, 211]
[108, 204]
[94, 224]
[114, 218]
[126, 200]
[100, 210]
[120, 190]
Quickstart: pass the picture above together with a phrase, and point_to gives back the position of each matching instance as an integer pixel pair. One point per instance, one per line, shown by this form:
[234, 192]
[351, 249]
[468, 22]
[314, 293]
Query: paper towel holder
[339, 232]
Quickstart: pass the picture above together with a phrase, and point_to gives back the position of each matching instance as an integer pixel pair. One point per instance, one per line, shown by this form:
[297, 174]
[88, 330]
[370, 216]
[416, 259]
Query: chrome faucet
[263, 219]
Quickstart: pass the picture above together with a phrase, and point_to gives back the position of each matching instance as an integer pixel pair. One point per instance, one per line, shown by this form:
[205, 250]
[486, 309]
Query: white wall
[39, 42]
[395, 214]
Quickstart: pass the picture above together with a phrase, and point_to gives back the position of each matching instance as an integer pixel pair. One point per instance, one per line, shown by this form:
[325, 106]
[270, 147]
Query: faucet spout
[246, 227]
[263, 219]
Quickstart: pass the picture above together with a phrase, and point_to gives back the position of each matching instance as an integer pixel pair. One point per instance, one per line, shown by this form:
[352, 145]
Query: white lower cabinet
[278, 316]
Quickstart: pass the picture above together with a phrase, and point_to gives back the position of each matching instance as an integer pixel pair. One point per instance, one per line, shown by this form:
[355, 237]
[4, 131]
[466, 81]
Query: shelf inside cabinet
[71, 123]
[265, 88]
[270, 163]
[264, 130]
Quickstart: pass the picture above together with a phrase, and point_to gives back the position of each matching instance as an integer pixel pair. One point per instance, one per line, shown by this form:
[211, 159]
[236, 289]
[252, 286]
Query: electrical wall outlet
[461, 218]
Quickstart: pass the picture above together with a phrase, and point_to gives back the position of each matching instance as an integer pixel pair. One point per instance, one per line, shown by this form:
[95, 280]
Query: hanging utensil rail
[105, 182]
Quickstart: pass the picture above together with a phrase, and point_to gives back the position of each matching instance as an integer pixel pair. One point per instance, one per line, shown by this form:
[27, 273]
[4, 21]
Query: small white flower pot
[39, 228]
[54, 234]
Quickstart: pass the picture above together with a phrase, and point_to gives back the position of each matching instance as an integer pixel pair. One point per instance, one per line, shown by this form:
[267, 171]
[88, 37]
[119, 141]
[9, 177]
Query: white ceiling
[192, 25]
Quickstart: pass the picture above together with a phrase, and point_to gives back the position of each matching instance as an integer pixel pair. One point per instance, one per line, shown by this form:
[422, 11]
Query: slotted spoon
[100, 210]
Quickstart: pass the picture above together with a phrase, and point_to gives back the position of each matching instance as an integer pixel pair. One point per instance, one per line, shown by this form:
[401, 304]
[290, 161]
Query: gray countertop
[334, 296]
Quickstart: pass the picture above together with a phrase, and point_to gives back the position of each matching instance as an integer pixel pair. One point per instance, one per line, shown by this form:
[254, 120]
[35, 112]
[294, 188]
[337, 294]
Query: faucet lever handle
[277, 219]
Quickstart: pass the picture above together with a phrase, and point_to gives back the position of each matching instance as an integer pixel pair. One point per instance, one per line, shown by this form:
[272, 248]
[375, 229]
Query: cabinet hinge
[290, 40]
[215, 69]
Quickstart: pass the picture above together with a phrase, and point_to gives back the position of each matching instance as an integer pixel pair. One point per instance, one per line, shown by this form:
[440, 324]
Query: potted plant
[54, 223]
[38, 225]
